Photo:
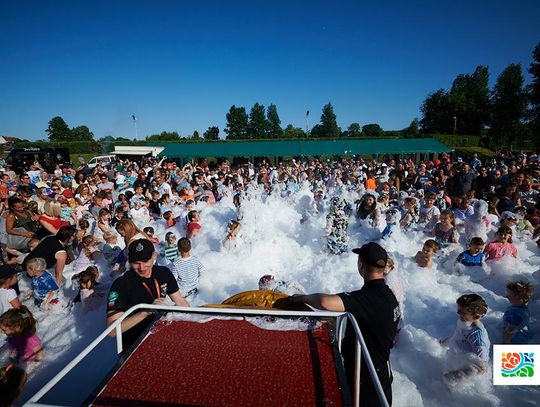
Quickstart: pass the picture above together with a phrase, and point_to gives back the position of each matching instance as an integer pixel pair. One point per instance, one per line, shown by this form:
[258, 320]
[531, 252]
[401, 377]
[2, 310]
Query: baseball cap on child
[373, 254]
[140, 250]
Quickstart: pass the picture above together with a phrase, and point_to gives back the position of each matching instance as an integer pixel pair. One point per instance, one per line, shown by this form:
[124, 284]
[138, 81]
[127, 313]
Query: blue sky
[179, 66]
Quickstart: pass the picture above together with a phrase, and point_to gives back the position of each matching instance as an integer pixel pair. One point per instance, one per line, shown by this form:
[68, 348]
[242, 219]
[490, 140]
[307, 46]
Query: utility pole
[135, 124]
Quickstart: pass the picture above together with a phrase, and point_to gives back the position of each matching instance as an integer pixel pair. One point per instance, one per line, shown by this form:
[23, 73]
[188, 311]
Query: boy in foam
[44, 286]
[470, 337]
[474, 255]
[187, 270]
[516, 317]
[424, 258]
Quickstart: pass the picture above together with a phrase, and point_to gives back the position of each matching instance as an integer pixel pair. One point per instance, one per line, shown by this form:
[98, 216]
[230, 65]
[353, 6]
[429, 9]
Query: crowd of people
[98, 226]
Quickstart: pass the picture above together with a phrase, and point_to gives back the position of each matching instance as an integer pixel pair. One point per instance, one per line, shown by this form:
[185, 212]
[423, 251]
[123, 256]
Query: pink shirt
[25, 347]
[496, 250]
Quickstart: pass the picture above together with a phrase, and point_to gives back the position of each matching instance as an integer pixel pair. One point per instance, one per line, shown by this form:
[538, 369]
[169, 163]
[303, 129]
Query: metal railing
[339, 317]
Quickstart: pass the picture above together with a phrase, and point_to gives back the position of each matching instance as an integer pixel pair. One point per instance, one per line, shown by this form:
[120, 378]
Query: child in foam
[474, 255]
[12, 380]
[187, 270]
[8, 296]
[88, 295]
[366, 209]
[516, 317]
[86, 256]
[445, 231]
[25, 346]
[470, 338]
[502, 245]
[392, 220]
[424, 258]
[44, 286]
[429, 213]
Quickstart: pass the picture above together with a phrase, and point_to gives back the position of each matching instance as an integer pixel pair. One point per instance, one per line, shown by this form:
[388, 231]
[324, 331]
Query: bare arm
[321, 301]
[48, 226]
[61, 259]
[16, 303]
[178, 299]
[10, 221]
[129, 322]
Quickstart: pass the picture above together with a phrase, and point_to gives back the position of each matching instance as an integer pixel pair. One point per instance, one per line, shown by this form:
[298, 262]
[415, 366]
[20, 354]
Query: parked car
[101, 159]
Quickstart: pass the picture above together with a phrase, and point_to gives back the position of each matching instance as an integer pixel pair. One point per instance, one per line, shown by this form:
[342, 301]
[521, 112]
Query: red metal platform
[227, 363]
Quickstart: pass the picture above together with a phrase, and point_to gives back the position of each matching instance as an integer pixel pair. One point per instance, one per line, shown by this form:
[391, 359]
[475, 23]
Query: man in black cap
[377, 313]
[144, 283]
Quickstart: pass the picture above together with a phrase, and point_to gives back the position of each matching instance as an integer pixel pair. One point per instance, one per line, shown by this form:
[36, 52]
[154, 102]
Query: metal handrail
[116, 326]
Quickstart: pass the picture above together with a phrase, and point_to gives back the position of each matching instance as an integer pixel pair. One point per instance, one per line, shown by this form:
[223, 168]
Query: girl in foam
[25, 346]
[88, 248]
[502, 245]
[367, 209]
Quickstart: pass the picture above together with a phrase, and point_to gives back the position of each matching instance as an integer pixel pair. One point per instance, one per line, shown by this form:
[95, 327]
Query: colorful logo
[517, 364]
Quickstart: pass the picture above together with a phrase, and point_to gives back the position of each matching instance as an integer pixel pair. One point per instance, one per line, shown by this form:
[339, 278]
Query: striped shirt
[170, 253]
[187, 271]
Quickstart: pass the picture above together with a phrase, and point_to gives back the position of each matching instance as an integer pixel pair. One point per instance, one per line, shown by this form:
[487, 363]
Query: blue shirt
[467, 259]
[43, 285]
[518, 317]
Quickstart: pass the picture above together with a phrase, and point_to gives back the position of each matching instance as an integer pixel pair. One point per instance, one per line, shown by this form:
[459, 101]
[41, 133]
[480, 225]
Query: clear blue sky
[179, 66]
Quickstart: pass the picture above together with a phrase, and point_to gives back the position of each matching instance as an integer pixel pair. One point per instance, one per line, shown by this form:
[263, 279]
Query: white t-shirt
[6, 296]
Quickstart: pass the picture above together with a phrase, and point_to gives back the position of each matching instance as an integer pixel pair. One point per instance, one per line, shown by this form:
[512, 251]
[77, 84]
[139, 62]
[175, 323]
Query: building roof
[304, 147]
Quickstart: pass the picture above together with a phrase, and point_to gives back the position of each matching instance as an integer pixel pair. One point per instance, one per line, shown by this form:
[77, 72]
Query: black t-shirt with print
[377, 313]
[132, 289]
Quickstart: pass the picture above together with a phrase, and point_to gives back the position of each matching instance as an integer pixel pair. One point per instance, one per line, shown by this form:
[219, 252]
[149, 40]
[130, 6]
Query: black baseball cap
[140, 250]
[6, 271]
[373, 254]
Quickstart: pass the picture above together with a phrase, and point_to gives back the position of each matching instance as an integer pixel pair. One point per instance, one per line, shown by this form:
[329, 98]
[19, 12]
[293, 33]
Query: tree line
[510, 111]
[503, 114]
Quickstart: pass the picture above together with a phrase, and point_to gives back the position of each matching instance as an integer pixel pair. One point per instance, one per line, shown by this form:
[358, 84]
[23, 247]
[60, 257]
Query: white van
[101, 159]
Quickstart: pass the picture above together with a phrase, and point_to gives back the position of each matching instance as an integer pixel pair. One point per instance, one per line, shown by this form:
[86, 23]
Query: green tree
[436, 115]
[534, 95]
[273, 121]
[293, 132]
[414, 128]
[164, 136]
[58, 130]
[81, 133]
[257, 125]
[509, 100]
[328, 125]
[354, 130]
[237, 121]
[469, 102]
[372, 130]
[212, 133]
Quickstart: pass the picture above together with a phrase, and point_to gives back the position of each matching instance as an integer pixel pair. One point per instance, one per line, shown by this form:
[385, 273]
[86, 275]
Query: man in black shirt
[144, 283]
[377, 313]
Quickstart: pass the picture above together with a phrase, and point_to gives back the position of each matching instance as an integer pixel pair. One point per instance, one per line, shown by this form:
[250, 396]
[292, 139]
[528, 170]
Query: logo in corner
[516, 365]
